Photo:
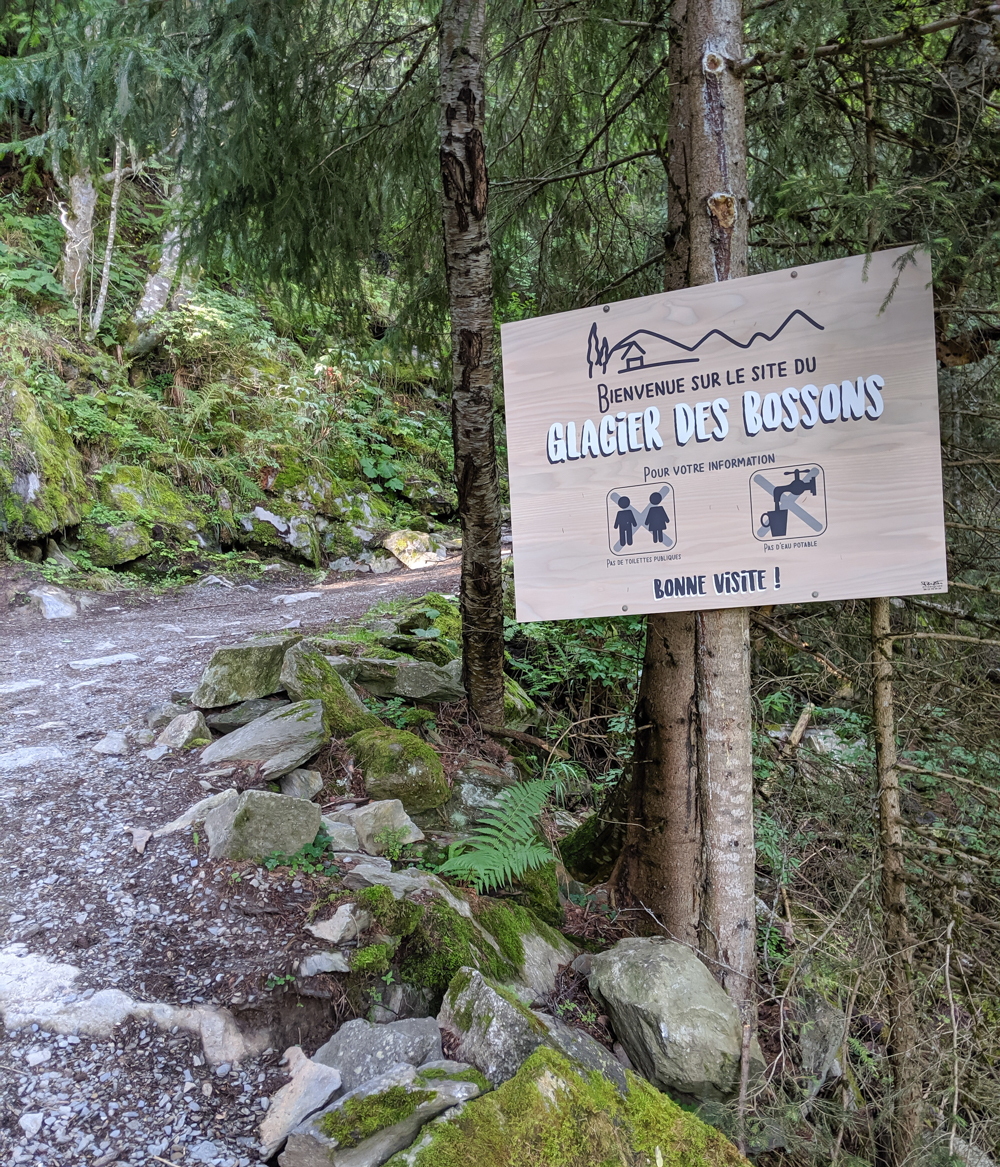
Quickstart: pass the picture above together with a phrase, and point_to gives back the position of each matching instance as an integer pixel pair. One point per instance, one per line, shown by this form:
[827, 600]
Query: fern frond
[505, 842]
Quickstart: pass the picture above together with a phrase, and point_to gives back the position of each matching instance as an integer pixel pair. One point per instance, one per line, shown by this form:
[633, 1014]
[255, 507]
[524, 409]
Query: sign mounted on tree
[772, 439]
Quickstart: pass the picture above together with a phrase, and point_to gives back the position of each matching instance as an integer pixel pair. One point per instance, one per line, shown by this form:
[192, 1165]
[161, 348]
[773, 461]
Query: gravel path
[159, 926]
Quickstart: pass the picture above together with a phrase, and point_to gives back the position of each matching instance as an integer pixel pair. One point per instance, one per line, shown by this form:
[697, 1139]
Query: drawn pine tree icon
[597, 350]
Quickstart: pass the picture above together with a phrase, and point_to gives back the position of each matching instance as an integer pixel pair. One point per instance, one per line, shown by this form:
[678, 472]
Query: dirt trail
[161, 926]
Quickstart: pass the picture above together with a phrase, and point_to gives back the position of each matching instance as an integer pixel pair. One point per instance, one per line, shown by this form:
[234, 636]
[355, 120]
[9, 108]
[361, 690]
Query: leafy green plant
[506, 842]
[308, 859]
[276, 980]
[391, 841]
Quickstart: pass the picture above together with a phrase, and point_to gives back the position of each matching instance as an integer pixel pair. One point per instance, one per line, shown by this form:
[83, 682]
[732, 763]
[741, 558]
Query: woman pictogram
[656, 518]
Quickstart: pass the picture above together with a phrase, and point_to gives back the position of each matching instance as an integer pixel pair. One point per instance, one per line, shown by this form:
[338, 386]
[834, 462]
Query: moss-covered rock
[42, 484]
[151, 499]
[519, 710]
[432, 612]
[398, 764]
[551, 1114]
[242, 672]
[445, 941]
[539, 890]
[307, 675]
[437, 652]
[580, 856]
[110, 544]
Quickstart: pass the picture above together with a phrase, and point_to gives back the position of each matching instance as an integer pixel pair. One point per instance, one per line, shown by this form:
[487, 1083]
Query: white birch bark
[97, 315]
[78, 223]
[468, 261]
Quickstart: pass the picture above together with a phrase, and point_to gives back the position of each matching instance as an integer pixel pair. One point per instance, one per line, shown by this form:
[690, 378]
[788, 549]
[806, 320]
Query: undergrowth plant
[506, 841]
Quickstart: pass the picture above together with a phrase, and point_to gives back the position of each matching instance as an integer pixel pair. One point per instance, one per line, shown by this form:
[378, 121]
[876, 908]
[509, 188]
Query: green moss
[540, 891]
[308, 676]
[577, 851]
[506, 924]
[360, 1118]
[435, 651]
[398, 764]
[373, 960]
[151, 498]
[109, 544]
[443, 943]
[551, 1114]
[518, 709]
[396, 917]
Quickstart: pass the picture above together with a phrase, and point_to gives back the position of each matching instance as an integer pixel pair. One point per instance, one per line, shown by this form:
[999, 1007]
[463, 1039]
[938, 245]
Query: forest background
[222, 261]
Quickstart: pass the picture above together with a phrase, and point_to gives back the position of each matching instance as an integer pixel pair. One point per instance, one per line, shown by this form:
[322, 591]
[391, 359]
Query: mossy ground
[549, 1115]
[444, 942]
[540, 892]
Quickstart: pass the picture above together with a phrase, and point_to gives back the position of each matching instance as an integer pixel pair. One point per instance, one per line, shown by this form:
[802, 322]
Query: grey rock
[821, 1029]
[240, 672]
[582, 965]
[31, 1122]
[100, 662]
[244, 713]
[581, 1048]
[163, 712]
[54, 551]
[398, 764]
[416, 549]
[348, 861]
[25, 756]
[312, 1087]
[360, 1050]
[415, 680]
[13, 691]
[113, 742]
[401, 1001]
[496, 1032]
[182, 696]
[323, 962]
[143, 737]
[347, 923]
[197, 813]
[371, 821]
[302, 783]
[53, 602]
[259, 823]
[674, 1019]
[156, 753]
[185, 731]
[543, 957]
[281, 740]
[444, 1066]
[343, 836]
[308, 1146]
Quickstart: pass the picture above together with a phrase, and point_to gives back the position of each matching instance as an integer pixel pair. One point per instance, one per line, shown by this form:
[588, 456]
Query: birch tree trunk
[97, 314]
[468, 263]
[902, 1042]
[78, 223]
[707, 243]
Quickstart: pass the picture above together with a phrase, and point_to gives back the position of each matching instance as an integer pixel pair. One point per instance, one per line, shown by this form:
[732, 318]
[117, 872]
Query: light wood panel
[872, 526]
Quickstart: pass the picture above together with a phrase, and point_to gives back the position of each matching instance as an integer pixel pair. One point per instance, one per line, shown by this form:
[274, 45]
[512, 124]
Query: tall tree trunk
[902, 1041]
[97, 314]
[690, 845]
[468, 262]
[660, 864]
[78, 223]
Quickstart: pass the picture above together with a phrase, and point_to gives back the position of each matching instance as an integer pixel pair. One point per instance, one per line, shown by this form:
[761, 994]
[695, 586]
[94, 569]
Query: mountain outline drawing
[599, 352]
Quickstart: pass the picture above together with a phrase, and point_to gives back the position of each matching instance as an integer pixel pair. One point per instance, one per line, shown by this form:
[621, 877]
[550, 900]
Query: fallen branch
[948, 777]
[944, 636]
[799, 646]
[931, 849]
[527, 738]
[795, 737]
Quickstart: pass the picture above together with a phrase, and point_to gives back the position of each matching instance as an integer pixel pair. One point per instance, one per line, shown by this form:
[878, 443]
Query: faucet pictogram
[798, 486]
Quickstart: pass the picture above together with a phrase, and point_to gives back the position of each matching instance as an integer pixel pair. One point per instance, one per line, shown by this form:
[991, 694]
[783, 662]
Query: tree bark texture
[660, 864]
[97, 314]
[902, 1039]
[468, 262]
[728, 918]
[78, 223]
[707, 243]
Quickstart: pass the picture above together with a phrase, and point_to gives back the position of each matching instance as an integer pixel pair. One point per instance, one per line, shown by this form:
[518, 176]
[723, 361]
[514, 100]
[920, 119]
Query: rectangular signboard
[773, 439]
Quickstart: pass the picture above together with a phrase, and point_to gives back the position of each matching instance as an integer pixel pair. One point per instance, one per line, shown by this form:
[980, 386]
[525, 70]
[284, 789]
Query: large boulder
[821, 1029]
[676, 1022]
[370, 1124]
[53, 602]
[416, 549]
[239, 672]
[380, 826]
[359, 1050]
[552, 1112]
[302, 783]
[281, 741]
[414, 680]
[260, 823]
[307, 675]
[474, 790]
[111, 544]
[398, 764]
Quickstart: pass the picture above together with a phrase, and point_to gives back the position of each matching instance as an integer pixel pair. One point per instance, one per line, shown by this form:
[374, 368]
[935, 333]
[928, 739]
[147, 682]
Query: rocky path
[89, 924]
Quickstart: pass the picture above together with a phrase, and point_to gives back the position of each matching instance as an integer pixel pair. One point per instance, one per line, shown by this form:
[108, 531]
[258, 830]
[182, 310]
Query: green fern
[505, 842]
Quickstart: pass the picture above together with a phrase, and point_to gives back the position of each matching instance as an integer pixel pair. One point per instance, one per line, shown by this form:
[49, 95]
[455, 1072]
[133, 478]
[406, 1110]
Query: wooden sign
[772, 439]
